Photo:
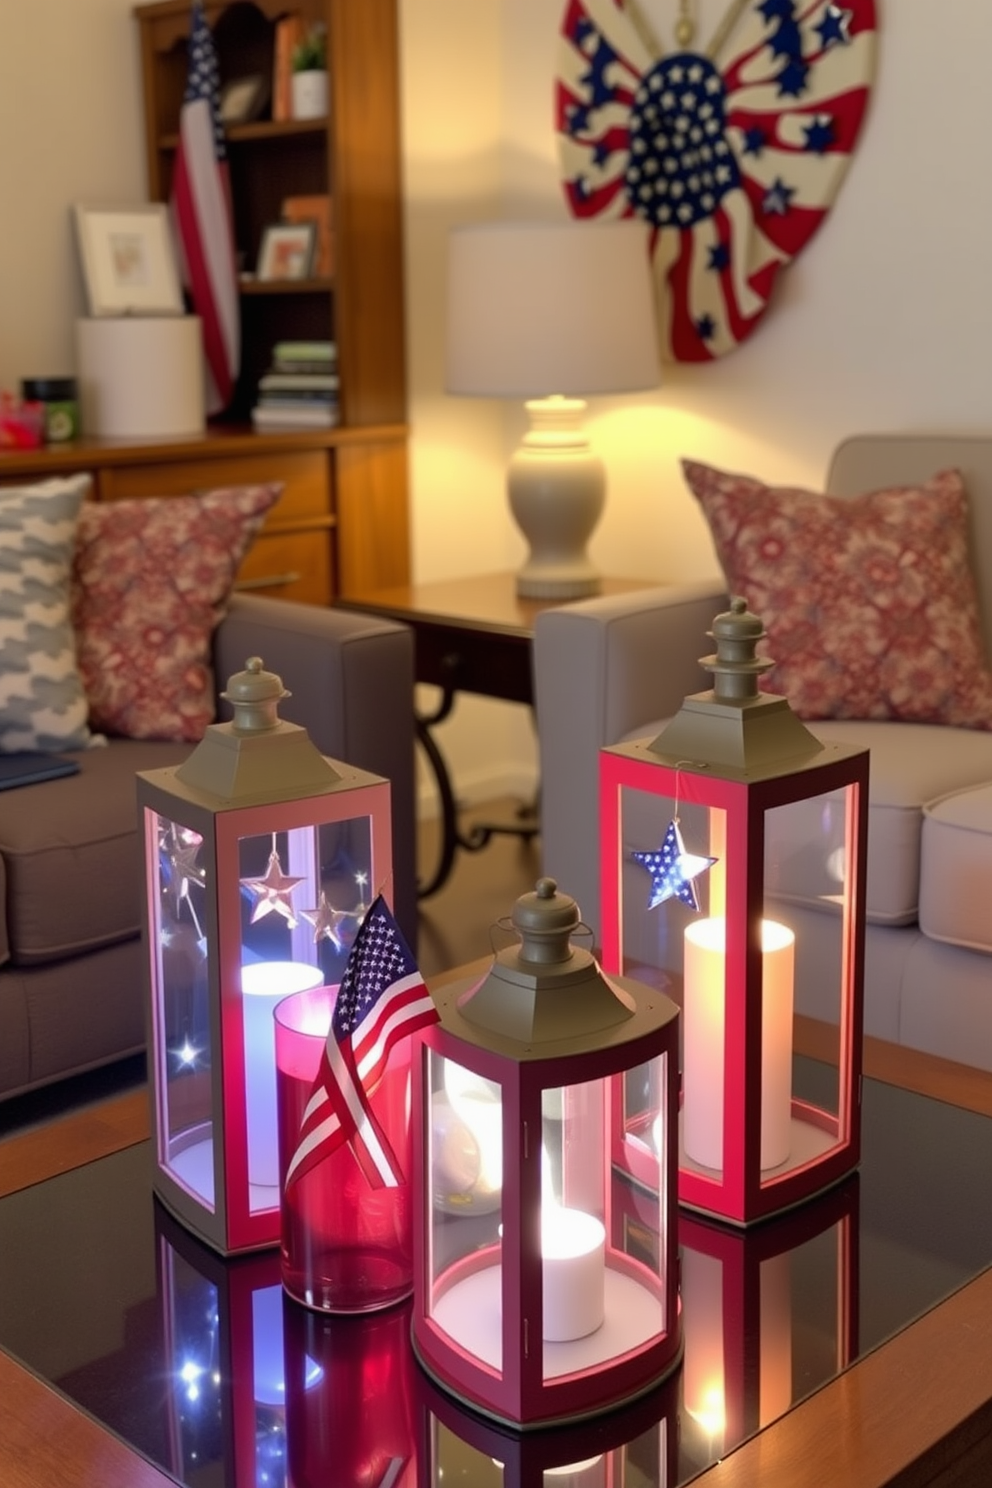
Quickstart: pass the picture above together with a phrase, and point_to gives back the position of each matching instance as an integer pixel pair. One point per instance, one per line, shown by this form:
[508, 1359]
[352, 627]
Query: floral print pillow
[150, 583]
[869, 602]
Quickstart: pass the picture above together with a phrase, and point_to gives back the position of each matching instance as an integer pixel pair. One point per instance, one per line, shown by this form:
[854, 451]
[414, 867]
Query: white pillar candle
[704, 1022]
[573, 1248]
[263, 984]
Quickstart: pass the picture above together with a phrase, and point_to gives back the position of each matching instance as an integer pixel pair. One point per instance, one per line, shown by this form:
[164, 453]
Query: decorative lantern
[529, 1305]
[768, 1314]
[733, 877]
[260, 858]
[222, 1330]
[638, 1443]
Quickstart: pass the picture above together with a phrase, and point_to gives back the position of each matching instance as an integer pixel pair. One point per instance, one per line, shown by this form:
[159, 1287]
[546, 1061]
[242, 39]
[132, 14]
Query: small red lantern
[260, 859]
[733, 876]
[529, 1306]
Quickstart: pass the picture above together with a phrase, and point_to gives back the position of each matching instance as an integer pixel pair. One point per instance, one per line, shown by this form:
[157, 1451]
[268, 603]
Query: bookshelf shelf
[352, 157]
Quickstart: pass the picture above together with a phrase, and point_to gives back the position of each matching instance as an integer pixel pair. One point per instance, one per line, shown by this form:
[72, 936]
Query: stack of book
[300, 391]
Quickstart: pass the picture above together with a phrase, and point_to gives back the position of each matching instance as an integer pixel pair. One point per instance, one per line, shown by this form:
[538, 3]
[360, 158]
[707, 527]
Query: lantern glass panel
[674, 935]
[303, 894]
[465, 1163]
[183, 1041]
[602, 1282]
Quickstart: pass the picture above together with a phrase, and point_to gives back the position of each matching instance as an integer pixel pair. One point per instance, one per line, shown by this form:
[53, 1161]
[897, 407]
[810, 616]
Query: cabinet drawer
[305, 476]
[297, 565]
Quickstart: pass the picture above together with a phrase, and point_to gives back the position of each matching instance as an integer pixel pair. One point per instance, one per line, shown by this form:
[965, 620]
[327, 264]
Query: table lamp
[553, 313]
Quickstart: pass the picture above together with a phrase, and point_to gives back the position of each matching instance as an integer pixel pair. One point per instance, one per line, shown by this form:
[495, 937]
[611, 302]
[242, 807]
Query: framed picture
[315, 209]
[128, 260]
[287, 250]
[244, 99]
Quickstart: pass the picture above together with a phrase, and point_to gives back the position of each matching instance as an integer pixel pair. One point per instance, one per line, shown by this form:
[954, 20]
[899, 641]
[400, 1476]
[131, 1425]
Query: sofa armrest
[351, 680]
[603, 669]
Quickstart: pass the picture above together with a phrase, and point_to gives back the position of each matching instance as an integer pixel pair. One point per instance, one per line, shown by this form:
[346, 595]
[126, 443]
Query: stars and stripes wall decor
[733, 150]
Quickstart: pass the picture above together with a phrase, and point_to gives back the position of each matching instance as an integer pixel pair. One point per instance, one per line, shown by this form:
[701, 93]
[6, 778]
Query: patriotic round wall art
[733, 153]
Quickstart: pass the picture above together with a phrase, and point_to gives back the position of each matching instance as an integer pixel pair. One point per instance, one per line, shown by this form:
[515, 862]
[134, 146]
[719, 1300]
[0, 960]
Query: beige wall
[884, 321]
[70, 130]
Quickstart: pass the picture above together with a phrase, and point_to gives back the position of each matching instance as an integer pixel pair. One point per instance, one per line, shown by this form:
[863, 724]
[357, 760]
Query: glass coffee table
[204, 1369]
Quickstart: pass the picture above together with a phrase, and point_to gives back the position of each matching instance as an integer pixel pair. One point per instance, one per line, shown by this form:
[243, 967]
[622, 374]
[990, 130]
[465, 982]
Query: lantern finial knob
[545, 920]
[255, 695]
[736, 666]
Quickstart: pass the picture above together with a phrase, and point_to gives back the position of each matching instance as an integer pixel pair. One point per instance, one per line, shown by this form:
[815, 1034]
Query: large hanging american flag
[201, 207]
[382, 999]
[733, 154]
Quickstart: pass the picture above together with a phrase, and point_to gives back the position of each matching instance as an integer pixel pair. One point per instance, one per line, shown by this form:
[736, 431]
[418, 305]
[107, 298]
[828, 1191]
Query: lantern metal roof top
[734, 727]
[257, 755]
[545, 994]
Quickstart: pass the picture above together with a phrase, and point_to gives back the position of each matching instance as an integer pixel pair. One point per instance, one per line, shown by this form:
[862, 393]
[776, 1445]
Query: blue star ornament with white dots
[673, 870]
[731, 148]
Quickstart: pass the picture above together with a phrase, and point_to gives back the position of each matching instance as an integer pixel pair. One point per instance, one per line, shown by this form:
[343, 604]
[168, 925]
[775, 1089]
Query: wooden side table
[471, 635]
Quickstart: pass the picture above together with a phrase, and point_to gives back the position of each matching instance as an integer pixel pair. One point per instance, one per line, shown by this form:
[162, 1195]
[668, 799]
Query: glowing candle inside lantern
[573, 1256]
[704, 1024]
[264, 983]
[573, 1253]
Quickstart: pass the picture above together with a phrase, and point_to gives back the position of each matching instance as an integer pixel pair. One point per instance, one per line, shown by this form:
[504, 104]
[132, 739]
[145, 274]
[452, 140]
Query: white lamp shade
[550, 308]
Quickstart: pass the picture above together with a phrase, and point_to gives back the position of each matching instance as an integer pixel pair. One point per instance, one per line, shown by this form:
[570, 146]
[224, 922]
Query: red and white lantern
[260, 859]
[733, 878]
[531, 1305]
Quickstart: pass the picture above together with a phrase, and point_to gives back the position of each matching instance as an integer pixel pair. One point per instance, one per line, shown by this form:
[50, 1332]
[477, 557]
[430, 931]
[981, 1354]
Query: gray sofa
[71, 978]
[613, 669]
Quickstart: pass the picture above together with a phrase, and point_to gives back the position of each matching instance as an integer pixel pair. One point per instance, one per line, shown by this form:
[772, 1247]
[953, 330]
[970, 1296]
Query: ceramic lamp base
[557, 491]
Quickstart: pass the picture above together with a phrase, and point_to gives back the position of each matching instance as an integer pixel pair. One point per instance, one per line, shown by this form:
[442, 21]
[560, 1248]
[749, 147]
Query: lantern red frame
[223, 1211]
[518, 1392]
[739, 1193]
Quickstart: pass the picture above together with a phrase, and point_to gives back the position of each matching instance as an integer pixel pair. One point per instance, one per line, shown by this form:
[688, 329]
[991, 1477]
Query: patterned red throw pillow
[150, 583]
[869, 602]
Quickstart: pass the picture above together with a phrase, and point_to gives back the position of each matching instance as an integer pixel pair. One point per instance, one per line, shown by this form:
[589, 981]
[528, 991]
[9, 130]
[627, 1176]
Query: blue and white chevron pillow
[43, 706]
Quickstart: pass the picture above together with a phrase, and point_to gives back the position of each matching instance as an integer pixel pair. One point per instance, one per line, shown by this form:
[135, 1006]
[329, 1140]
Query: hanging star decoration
[673, 870]
[179, 847]
[330, 923]
[273, 892]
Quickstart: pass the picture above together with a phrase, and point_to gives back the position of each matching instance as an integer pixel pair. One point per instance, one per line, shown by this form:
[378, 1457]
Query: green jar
[59, 397]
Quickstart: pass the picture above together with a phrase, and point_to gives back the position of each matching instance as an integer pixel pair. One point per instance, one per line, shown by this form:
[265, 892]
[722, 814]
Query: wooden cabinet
[342, 523]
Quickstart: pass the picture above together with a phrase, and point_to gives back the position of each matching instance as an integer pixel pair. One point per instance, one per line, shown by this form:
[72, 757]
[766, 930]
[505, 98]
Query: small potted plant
[309, 69]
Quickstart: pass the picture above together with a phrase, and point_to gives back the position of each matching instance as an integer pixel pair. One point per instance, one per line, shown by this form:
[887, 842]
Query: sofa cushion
[71, 856]
[910, 765]
[42, 702]
[151, 579]
[869, 602]
[956, 869]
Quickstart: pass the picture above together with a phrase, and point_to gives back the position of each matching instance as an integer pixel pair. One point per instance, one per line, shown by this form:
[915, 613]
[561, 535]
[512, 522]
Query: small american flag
[201, 207]
[382, 998]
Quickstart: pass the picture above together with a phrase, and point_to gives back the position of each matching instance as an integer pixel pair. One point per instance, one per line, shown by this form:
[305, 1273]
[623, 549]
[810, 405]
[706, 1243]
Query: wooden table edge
[916, 1411]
